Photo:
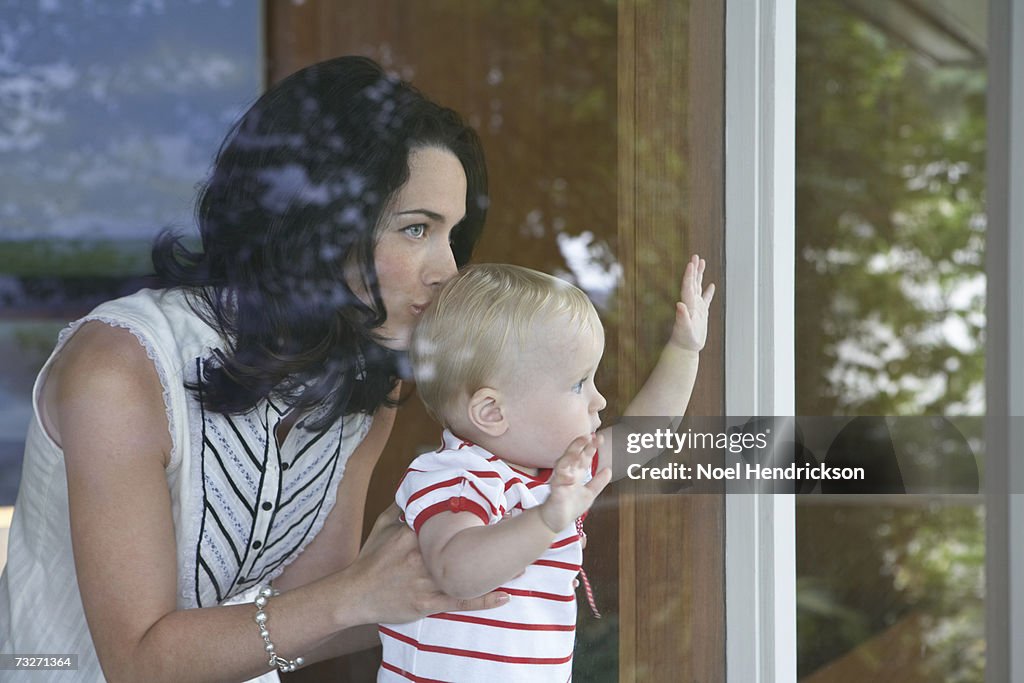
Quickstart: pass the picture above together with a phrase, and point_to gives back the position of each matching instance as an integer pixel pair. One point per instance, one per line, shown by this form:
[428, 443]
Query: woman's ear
[486, 411]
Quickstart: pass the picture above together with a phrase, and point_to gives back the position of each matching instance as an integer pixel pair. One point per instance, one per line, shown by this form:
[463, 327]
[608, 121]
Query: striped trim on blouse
[260, 501]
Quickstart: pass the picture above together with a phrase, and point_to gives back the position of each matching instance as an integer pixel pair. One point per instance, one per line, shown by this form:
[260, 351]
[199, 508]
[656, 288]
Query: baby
[505, 359]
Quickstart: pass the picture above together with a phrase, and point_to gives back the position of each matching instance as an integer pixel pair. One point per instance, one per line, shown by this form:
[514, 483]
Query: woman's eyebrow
[432, 215]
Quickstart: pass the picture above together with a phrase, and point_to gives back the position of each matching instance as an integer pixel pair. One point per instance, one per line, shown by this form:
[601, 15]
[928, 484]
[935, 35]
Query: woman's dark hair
[294, 198]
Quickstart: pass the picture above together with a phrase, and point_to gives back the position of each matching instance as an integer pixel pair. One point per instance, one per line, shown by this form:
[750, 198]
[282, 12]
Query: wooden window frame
[671, 602]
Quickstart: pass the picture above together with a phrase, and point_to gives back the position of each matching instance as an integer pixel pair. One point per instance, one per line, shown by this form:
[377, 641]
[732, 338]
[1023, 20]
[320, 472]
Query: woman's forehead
[436, 185]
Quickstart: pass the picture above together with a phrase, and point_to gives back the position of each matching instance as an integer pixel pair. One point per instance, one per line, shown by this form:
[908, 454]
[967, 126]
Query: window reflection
[890, 318]
[541, 82]
[110, 113]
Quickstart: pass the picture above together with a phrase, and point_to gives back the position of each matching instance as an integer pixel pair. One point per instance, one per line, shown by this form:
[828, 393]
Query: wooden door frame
[671, 161]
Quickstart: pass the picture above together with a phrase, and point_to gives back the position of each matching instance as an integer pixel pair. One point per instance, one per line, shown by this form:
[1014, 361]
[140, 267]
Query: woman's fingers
[397, 584]
[388, 517]
[489, 601]
[385, 524]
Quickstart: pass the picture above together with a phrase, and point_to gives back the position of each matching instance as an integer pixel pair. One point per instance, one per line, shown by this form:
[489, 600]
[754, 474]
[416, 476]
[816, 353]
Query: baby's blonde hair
[482, 318]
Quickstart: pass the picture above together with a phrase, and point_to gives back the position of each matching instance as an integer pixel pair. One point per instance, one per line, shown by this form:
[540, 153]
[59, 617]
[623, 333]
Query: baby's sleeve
[451, 482]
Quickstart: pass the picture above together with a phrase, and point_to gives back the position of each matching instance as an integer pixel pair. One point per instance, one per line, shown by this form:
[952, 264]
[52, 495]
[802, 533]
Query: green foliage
[890, 224]
[867, 568]
[937, 561]
[77, 257]
[890, 321]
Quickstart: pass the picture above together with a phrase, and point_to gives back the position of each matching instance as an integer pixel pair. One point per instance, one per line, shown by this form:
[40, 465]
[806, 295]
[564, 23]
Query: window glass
[121, 105]
[890, 290]
[602, 126]
[110, 113]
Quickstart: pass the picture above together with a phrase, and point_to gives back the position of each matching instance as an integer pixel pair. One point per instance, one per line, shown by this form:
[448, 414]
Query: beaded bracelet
[282, 664]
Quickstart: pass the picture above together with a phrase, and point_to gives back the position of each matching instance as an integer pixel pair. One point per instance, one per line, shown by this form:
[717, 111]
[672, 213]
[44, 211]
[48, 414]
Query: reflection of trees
[891, 224]
[546, 111]
[890, 293]
[874, 570]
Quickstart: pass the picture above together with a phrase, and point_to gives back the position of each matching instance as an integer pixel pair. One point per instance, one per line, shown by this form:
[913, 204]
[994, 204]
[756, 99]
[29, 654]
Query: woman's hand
[394, 583]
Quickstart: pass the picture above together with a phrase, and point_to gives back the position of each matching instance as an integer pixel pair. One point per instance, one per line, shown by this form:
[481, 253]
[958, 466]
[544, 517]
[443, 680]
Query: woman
[192, 444]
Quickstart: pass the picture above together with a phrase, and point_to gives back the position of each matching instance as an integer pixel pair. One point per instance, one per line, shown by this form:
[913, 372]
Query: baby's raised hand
[570, 497]
[691, 327]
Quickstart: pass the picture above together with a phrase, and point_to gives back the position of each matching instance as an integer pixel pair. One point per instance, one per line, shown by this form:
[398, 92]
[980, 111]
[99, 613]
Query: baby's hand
[691, 326]
[570, 497]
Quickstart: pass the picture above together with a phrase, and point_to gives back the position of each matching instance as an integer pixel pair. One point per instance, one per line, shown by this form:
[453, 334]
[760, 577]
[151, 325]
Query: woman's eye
[417, 230]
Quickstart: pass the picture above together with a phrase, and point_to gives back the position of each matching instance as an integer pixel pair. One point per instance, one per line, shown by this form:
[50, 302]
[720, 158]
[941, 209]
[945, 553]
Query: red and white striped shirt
[528, 639]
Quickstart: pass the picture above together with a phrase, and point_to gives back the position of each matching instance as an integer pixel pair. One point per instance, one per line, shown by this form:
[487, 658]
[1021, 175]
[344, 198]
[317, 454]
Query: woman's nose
[442, 266]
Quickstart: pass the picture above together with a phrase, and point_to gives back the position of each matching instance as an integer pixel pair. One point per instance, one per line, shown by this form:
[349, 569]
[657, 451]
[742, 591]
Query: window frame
[760, 568]
[1004, 365]
[760, 528]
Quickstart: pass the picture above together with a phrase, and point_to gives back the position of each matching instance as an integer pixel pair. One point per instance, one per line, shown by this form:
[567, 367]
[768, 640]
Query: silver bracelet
[282, 664]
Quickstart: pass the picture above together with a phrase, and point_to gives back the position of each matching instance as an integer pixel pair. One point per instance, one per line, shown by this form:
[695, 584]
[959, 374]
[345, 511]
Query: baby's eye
[415, 231]
[578, 387]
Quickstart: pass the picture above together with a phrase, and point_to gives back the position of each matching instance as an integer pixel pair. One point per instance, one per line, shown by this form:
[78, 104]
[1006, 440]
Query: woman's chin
[395, 340]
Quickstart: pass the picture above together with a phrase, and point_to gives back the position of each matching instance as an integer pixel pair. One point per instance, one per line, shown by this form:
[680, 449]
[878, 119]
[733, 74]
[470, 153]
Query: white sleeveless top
[243, 508]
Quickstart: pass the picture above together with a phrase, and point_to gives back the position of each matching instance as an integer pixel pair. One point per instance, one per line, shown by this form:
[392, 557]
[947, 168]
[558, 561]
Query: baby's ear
[486, 411]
